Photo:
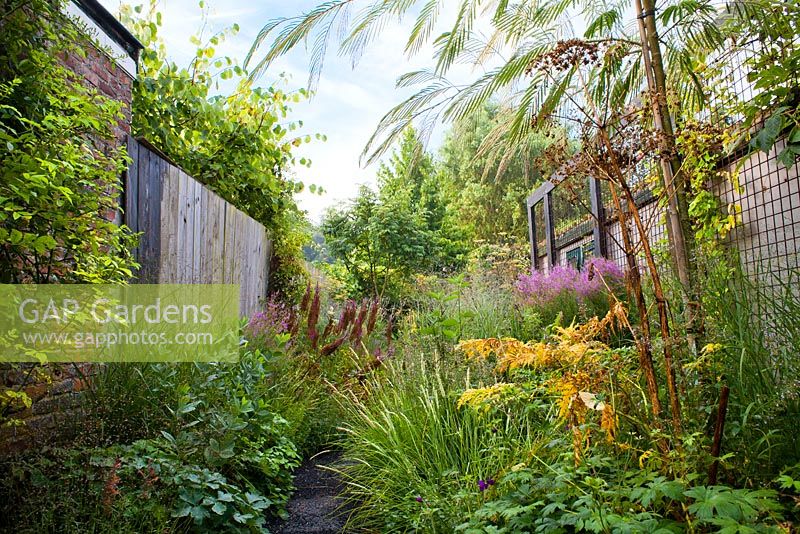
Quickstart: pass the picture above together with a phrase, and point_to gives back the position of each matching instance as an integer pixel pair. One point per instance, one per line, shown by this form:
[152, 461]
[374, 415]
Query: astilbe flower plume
[111, 485]
[596, 275]
[304, 323]
[356, 331]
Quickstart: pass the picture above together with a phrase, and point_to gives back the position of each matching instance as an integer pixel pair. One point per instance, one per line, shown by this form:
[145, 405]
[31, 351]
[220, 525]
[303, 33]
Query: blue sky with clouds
[348, 103]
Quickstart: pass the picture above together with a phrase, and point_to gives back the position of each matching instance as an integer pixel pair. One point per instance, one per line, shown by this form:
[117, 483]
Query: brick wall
[101, 72]
[57, 390]
[54, 416]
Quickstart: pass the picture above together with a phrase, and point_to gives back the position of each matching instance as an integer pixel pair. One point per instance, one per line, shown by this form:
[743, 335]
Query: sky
[348, 102]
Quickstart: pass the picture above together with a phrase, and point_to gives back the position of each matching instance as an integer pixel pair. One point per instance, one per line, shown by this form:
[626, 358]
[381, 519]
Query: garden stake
[718, 429]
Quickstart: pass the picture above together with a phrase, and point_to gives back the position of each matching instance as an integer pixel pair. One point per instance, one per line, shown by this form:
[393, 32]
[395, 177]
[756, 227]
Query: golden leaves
[609, 421]
[484, 398]
[572, 346]
[580, 369]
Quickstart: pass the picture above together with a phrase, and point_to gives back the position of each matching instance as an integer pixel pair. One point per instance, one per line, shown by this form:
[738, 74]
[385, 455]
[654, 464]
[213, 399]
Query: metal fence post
[532, 235]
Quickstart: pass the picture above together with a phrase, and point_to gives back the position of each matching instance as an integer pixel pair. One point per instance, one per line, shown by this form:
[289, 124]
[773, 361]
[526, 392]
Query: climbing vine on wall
[59, 160]
[235, 137]
[702, 147]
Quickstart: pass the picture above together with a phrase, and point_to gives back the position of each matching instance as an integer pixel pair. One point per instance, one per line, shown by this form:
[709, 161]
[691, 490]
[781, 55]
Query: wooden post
[131, 191]
[598, 214]
[532, 235]
[549, 231]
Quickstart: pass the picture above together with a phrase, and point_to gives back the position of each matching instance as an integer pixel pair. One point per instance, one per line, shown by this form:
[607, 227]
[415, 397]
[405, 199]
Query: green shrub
[313, 348]
[60, 163]
[220, 456]
[71, 490]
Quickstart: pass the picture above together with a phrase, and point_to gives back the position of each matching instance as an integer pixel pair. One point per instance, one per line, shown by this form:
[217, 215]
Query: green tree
[412, 178]
[380, 242]
[412, 174]
[488, 192]
[774, 69]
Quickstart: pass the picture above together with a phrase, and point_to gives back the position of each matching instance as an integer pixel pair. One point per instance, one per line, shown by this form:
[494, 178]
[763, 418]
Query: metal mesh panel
[577, 253]
[572, 219]
[652, 216]
[768, 238]
[733, 69]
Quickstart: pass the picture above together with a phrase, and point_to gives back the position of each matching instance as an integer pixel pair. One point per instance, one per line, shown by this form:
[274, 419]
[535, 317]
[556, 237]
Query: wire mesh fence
[764, 192]
[768, 195]
[767, 237]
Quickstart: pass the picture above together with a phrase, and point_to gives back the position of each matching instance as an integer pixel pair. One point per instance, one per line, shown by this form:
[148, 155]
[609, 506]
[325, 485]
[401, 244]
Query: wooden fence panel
[197, 232]
[131, 190]
[215, 239]
[170, 212]
[189, 234]
[185, 221]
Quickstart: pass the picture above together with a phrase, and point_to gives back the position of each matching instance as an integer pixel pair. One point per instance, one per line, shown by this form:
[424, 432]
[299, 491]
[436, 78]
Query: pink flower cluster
[275, 319]
[539, 288]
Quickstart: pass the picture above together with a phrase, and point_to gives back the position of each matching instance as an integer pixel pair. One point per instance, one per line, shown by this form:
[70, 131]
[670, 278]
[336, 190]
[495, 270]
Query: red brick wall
[56, 390]
[55, 414]
[99, 71]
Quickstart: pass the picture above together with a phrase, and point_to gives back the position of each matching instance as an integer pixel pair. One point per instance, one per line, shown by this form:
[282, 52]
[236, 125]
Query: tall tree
[488, 192]
[664, 51]
[413, 178]
[410, 173]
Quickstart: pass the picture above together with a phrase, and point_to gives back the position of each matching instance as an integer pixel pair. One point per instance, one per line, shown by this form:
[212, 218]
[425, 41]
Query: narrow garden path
[314, 507]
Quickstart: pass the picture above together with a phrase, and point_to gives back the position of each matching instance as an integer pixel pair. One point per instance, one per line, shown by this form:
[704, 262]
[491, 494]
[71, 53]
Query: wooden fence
[190, 235]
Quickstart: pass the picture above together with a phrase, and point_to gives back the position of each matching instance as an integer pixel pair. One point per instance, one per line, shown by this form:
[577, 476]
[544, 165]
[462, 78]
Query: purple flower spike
[539, 288]
[419, 498]
[482, 485]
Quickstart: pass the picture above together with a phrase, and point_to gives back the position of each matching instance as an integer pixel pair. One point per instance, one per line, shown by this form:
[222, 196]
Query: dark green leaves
[766, 137]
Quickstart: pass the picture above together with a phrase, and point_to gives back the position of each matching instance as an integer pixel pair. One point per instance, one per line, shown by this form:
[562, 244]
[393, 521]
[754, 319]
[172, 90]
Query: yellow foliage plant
[579, 368]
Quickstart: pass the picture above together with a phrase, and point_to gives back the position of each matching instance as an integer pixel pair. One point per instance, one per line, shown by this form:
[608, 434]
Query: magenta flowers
[275, 319]
[539, 288]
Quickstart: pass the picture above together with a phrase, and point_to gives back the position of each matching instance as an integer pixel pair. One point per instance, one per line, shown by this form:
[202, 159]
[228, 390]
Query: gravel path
[314, 507]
